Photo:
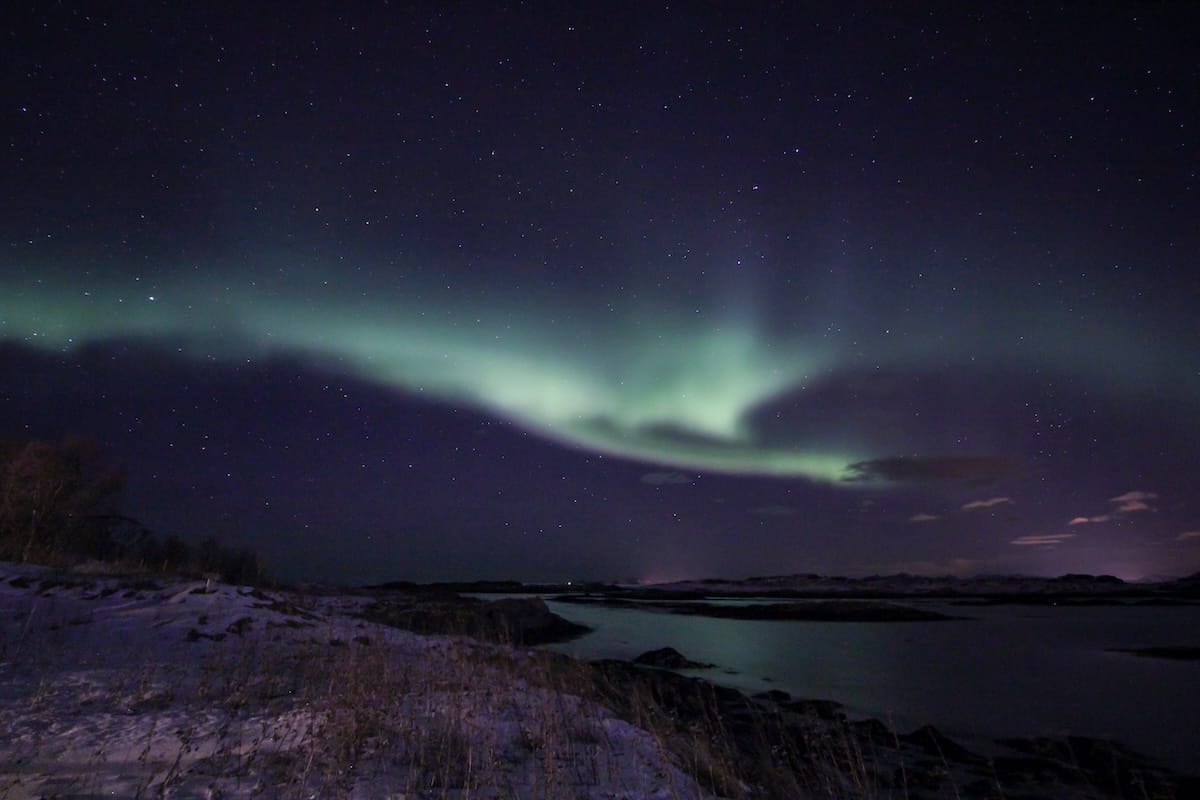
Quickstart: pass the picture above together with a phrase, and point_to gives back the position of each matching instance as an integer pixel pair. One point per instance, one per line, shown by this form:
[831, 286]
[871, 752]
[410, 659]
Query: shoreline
[166, 658]
[823, 610]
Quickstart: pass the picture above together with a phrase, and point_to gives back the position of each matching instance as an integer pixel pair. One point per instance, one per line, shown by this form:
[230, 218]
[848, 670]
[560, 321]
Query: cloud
[666, 478]
[774, 511]
[1043, 540]
[1128, 503]
[1134, 501]
[976, 469]
[1133, 497]
[989, 503]
[1186, 535]
[924, 517]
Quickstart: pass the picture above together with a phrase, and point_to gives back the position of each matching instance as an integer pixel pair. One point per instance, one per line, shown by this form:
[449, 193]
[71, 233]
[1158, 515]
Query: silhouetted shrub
[242, 566]
[48, 492]
[57, 507]
[239, 565]
[173, 554]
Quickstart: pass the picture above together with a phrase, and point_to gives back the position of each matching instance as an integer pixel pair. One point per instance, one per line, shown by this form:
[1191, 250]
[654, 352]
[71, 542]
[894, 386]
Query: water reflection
[1010, 671]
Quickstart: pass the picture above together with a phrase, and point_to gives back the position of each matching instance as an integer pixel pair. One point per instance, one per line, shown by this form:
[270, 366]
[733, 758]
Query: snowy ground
[123, 687]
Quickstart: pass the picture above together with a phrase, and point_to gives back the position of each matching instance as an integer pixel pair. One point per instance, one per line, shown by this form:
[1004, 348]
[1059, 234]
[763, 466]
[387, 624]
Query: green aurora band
[647, 381]
[673, 394]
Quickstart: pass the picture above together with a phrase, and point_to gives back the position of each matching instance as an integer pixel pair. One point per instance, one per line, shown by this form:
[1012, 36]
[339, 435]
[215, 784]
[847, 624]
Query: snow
[148, 687]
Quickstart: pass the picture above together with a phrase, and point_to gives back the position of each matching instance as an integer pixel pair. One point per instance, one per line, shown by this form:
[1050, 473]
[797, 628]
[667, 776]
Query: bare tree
[47, 493]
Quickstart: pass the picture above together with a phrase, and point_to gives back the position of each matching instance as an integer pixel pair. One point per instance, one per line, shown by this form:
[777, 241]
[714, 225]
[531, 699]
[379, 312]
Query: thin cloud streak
[1044, 540]
[989, 503]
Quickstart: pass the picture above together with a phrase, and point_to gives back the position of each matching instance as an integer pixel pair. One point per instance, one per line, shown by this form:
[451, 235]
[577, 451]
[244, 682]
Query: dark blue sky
[565, 292]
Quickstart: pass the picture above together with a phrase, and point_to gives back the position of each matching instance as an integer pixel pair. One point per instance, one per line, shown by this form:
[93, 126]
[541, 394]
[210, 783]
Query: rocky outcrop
[668, 658]
[523, 621]
[787, 748]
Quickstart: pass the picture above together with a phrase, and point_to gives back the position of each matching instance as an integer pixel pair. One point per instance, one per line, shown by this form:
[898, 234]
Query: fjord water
[1007, 671]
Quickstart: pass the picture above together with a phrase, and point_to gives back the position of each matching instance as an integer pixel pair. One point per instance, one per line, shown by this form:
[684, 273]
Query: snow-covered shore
[149, 687]
[146, 686]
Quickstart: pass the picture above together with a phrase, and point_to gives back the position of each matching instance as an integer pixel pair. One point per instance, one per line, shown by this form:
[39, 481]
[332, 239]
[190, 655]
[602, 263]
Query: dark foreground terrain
[803, 747]
[145, 686]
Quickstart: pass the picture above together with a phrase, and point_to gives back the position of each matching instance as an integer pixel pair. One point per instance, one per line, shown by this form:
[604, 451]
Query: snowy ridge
[149, 687]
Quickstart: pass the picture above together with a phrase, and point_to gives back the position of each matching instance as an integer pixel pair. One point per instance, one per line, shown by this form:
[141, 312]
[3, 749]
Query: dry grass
[328, 706]
[322, 709]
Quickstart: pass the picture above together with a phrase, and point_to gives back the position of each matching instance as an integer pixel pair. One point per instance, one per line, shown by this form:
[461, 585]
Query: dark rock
[874, 731]
[142, 585]
[1104, 766]
[935, 744]
[520, 621]
[528, 621]
[685, 698]
[1176, 653]
[194, 635]
[827, 710]
[286, 608]
[824, 710]
[774, 695]
[668, 658]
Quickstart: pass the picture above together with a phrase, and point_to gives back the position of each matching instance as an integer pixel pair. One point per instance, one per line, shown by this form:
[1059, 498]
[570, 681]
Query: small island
[1172, 653]
[802, 611]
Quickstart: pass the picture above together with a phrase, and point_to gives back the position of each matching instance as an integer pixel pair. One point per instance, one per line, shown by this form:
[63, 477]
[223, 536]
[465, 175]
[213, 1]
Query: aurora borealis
[547, 294]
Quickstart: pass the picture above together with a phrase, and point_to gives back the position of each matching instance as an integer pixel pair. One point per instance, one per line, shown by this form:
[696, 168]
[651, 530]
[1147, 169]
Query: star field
[540, 293]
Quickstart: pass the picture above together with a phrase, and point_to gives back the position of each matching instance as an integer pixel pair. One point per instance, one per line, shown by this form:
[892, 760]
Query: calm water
[1011, 671]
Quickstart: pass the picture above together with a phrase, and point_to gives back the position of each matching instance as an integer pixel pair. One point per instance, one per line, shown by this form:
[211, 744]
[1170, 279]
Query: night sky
[574, 291]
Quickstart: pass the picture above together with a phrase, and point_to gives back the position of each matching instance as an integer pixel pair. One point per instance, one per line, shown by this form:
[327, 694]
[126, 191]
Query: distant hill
[1189, 586]
[1002, 588]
